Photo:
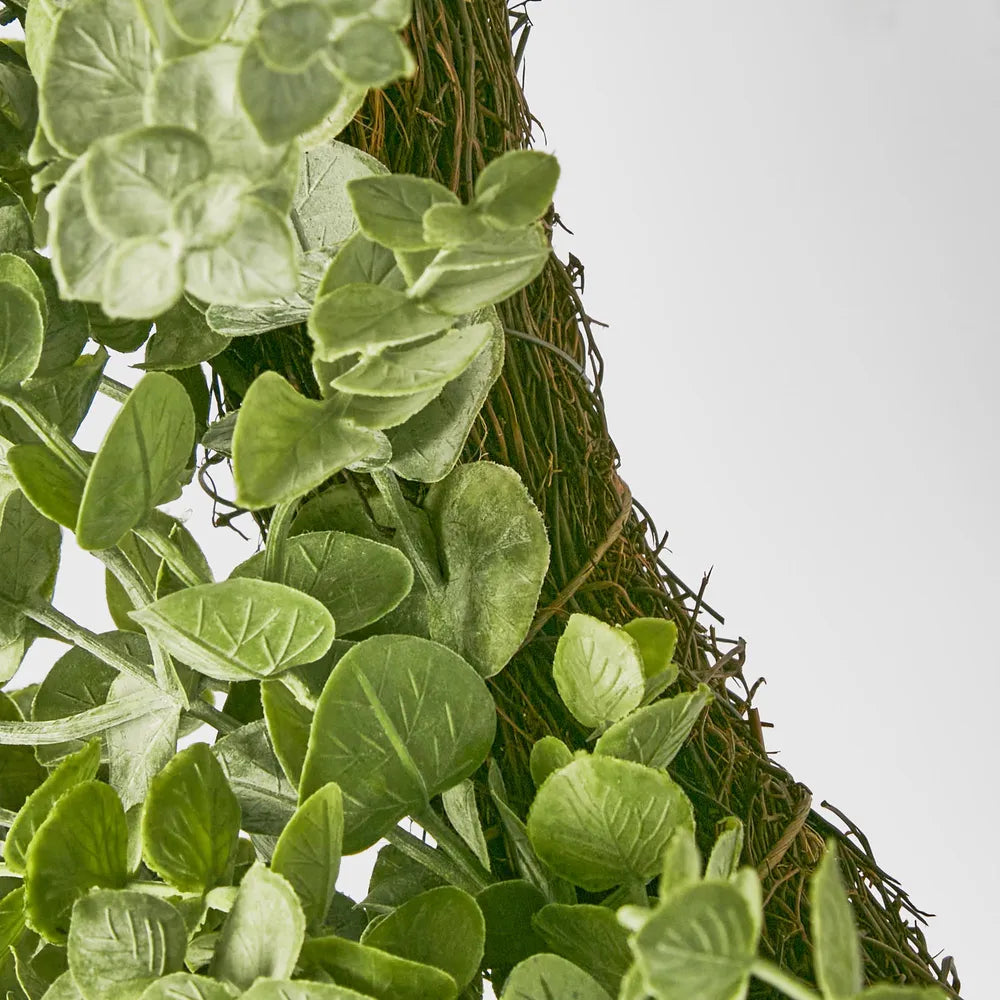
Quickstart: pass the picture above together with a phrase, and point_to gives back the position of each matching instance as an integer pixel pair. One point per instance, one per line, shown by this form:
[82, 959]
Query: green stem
[298, 689]
[277, 536]
[172, 556]
[209, 714]
[114, 389]
[637, 893]
[431, 859]
[781, 980]
[424, 559]
[454, 847]
[48, 432]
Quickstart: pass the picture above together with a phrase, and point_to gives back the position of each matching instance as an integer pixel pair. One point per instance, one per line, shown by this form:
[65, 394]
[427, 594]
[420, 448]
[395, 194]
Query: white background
[787, 214]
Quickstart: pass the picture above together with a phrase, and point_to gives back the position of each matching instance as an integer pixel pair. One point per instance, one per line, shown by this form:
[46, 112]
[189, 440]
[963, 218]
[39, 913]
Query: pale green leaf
[600, 822]
[428, 445]
[460, 807]
[185, 986]
[11, 918]
[588, 936]
[142, 278]
[494, 554]
[276, 422]
[725, 857]
[15, 221]
[343, 112]
[263, 932]
[401, 719]
[81, 845]
[700, 942]
[131, 180]
[283, 105]
[365, 262]
[288, 724]
[15, 270]
[183, 338]
[356, 580]
[207, 212]
[21, 329]
[654, 734]
[430, 364]
[442, 927]
[890, 991]
[837, 950]
[100, 62]
[74, 770]
[598, 671]
[120, 941]
[253, 264]
[657, 639]
[368, 53]
[547, 756]
[299, 989]
[517, 188]
[239, 629]
[390, 209]
[200, 22]
[681, 862]
[141, 462]
[546, 976]
[367, 318]
[447, 225]
[308, 851]
[376, 973]
[67, 325]
[290, 35]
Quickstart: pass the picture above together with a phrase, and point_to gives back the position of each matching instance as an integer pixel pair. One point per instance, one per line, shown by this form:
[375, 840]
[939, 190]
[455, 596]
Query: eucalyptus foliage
[178, 160]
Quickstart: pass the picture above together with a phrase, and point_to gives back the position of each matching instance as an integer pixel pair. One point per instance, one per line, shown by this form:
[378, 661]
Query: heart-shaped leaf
[601, 822]
[400, 720]
[368, 53]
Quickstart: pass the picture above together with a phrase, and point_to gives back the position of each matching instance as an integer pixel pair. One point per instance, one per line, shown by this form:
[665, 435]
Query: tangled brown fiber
[545, 418]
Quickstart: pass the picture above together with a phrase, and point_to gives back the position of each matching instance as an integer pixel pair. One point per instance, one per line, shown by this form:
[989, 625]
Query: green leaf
[376, 973]
[289, 36]
[390, 209]
[67, 327]
[544, 976]
[370, 54]
[14, 270]
[396, 878]
[74, 770]
[368, 318]
[15, 222]
[275, 422]
[184, 986]
[140, 748]
[94, 82]
[417, 367]
[601, 822]
[517, 188]
[199, 22]
[837, 948]
[507, 908]
[725, 857]
[467, 278]
[11, 918]
[267, 800]
[299, 989]
[239, 629]
[20, 773]
[142, 277]
[494, 553]
[428, 445]
[361, 261]
[140, 463]
[284, 104]
[288, 724]
[120, 941]
[547, 756]
[355, 579]
[401, 719]
[200, 92]
[890, 991]
[598, 671]
[308, 851]
[453, 225]
[131, 180]
[262, 934]
[653, 735]
[183, 338]
[588, 936]
[700, 942]
[321, 211]
[21, 330]
[53, 488]
[191, 822]
[253, 264]
[82, 844]
[442, 927]
[657, 639]
[460, 807]
[681, 862]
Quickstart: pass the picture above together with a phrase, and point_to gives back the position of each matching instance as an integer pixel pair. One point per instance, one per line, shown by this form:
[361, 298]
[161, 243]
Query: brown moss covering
[545, 418]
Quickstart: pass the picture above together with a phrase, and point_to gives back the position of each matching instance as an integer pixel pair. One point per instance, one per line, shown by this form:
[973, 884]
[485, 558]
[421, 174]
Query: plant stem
[416, 548]
[47, 431]
[431, 859]
[209, 714]
[781, 980]
[171, 554]
[277, 536]
[454, 847]
[114, 389]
